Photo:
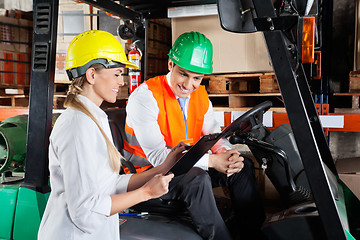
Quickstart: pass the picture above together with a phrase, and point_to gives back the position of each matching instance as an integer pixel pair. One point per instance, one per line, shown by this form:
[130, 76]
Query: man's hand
[175, 154]
[226, 161]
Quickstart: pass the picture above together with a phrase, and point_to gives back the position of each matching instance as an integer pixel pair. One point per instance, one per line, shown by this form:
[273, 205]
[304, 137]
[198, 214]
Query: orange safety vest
[170, 119]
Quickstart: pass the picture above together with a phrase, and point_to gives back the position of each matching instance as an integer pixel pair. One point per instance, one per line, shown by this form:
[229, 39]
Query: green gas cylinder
[13, 136]
[13, 143]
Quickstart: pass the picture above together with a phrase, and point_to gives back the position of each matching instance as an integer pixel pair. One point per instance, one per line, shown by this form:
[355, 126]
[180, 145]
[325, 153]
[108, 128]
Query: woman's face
[106, 85]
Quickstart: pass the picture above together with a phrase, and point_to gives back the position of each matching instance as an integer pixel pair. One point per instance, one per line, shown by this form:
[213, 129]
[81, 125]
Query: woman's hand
[143, 178]
[157, 186]
[175, 154]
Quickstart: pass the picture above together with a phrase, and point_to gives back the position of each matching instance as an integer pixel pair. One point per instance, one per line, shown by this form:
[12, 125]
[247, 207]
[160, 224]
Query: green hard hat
[193, 51]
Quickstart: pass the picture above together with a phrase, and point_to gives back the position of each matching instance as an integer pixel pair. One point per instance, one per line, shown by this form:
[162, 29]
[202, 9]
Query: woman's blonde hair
[72, 100]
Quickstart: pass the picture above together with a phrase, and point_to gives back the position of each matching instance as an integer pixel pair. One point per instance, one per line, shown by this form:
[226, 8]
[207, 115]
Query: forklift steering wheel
[256, 115]
[251, 119]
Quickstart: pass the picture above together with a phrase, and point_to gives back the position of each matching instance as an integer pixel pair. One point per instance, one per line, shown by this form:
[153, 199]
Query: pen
[133, 214]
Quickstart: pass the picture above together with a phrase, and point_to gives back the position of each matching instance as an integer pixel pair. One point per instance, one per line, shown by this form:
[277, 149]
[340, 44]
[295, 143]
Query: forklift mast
[260, 15]
[292, 82]
[41, 94]
[303, 118]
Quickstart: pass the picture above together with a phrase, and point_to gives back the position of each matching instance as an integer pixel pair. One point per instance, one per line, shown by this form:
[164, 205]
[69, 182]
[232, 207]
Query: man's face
[183, 82]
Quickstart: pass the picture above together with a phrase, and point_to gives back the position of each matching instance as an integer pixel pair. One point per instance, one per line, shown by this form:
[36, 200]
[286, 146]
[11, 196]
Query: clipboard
[243, 123]
[193, 155]
[201, 147]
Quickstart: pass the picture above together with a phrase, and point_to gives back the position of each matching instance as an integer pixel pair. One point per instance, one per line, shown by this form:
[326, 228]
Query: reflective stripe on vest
[133, 152]
[170, 118]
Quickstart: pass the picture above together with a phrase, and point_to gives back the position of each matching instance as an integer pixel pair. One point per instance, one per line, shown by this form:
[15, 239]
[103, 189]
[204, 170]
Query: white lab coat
[81, 179]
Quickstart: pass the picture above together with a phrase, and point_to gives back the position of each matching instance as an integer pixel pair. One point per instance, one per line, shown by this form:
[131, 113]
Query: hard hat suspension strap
[79, 71]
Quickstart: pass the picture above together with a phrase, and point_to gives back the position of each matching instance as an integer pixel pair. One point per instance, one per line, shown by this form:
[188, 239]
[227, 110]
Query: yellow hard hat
[91, 47]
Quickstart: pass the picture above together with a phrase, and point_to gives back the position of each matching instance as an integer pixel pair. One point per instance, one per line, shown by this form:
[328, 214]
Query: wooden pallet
[268, 84]
[355, 103]
[232, 101]
[61, 88]
[14, 101]
[242, 83]
[58, 102]
[14, 97]
[243, 90]
[233, 83]
[354, 82]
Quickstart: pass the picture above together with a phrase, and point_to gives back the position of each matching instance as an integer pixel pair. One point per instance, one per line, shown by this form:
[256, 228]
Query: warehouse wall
[24, 5]
[344, 144]
[342, 58]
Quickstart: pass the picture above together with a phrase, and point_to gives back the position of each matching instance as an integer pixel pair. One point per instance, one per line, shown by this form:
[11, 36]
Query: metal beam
[167, 2]
[182, 3]
[41, 94]
[116, 9]
[139, 2]
[326, 30]
[158, 8]
[305, 124]
[155, 14]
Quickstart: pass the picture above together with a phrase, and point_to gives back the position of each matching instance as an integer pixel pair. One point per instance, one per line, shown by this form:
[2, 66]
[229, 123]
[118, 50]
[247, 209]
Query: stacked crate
[353, 95]
[268, 83]
[354, 82]
[15, 60]
[159, 44]
[242, 91]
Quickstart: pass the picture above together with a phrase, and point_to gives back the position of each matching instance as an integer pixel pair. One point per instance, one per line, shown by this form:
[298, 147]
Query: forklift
[317, 204]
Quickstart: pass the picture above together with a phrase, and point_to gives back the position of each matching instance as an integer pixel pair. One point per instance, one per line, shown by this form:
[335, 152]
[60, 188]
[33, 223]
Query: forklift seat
[116, 117]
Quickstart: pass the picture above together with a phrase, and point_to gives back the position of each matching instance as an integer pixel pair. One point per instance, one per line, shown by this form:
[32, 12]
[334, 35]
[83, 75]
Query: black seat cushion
[117, 117]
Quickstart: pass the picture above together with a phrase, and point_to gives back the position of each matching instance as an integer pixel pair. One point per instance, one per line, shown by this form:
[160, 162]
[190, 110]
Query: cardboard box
[18, 5]
[14, 69]
[15, 35]
[232, 52]
[159, 31]
[66, 8]
[349, 172]
[60, 73]
[25, 35]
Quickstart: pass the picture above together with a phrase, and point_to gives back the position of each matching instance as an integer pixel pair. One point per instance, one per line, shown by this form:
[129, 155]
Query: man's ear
[170, 65]
[90, 75]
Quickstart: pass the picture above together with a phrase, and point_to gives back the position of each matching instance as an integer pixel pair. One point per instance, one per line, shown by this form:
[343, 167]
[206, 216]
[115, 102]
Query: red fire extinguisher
[134, 74]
